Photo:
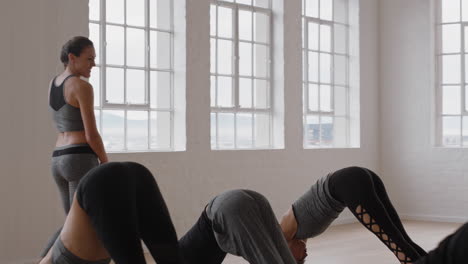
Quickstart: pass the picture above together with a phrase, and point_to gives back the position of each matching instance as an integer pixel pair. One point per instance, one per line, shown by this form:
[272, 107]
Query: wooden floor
[353, 244]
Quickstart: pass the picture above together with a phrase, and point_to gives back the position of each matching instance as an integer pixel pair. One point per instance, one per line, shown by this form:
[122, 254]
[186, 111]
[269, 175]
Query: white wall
[429, 183]
[32, 32]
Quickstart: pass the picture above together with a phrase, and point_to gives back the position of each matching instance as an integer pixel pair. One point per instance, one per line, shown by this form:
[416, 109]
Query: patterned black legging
[363, 192]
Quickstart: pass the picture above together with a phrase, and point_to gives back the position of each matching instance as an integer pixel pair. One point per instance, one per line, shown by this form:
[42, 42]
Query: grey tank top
[316, 209]
[67, 117]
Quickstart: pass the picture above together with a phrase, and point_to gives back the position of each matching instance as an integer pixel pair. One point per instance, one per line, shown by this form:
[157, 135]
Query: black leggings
[199, 244]
[125, 205]
[452, 250]
[364, 194]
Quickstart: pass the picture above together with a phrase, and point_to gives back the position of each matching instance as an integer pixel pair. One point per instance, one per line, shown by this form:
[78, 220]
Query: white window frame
[237, 109]
[463, 85]
[306, 20]
[128, 106]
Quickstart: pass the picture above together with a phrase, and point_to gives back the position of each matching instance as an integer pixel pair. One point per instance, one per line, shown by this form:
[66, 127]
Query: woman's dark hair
[74, 46]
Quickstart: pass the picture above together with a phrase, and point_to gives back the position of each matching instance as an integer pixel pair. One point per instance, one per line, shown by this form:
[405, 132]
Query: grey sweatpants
[244, 225]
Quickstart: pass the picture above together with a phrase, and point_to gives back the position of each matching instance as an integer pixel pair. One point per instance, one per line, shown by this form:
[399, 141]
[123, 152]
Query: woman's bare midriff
[71, 137]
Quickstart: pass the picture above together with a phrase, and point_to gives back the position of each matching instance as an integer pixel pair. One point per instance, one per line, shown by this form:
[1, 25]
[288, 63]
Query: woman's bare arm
[85, 97]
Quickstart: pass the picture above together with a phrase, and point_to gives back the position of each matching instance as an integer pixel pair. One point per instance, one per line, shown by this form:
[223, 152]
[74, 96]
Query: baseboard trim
[344, 220]
[434, 218]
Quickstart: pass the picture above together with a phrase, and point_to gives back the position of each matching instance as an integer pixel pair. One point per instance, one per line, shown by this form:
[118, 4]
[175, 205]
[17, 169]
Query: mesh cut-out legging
[363, 192]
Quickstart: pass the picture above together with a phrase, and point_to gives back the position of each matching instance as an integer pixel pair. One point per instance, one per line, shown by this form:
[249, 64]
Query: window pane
[244, 130]
[340, 127]
[113, 127]
[340, 101]
[94, 37]
[465, 131]
[466, 98]
[261, 60]
[262, 3]
[313, 67]
[160, 50]
[451, 69]
[136, 86]
[466, 38]
[225, 92]
[94, 80]
[325, 38]
[115, 11]
[340, 41]
[213, 20]
[451, 38]
[261, 94]
[326, 131]
[136, 47]
[225, 56]
[245, 93]
[245, 2]
[325, 98]
[245, 59]
[450, 10]
[313, 36]
[213, 91]
[114, 85]
[464, 12]
[326, 9]
[160, 14]
[262, 130]
[325, 68]
[137, 130]
[313, 97]
[94, 9]
[451, 130]
[160, 89]
[225, 130]
[262, 27]
[213, 55]
[245, 25]
[115, 45]
[312, 131]
[160, 130]
[213, 135]
[136, 12]
[340, 9]
[224, 22]
[97, 116]
[340, 70]
[311, 8]
[451, 100]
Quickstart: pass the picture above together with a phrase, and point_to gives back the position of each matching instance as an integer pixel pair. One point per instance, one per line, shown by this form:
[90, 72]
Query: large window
[326, 63]
[133, 79]
[241, 93]
[452, 57]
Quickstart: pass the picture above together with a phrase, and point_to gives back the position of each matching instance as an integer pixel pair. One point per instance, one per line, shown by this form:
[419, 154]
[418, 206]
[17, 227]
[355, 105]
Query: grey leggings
[244, 225]
[61, 255]
[69, 164]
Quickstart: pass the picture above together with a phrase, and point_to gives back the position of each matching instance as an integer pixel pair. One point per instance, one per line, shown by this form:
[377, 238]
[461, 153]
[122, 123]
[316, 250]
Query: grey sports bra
[67, 117]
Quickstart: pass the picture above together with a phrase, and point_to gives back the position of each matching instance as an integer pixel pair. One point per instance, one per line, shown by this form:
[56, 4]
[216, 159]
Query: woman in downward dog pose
[363, 192]
[241, 222]
[110, 220]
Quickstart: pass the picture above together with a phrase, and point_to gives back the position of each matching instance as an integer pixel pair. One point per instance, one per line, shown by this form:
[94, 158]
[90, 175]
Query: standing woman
[79, 147]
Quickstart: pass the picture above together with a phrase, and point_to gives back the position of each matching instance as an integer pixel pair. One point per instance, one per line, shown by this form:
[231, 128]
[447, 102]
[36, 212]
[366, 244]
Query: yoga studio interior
[272, 96]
